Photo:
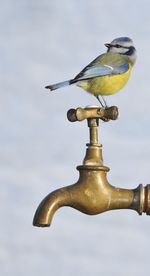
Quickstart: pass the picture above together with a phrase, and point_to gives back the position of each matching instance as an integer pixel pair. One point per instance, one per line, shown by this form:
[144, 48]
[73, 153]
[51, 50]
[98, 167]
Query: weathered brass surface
[80, 114]
[92, 194]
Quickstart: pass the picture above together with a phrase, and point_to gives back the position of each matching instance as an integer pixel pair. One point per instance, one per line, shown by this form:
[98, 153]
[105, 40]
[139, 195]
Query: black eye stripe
[118, 46]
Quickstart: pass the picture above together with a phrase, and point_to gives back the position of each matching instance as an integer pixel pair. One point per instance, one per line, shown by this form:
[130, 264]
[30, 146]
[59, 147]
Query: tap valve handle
[93, 112]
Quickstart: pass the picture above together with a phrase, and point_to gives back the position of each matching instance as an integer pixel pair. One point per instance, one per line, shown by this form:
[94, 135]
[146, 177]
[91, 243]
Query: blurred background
[43, 42]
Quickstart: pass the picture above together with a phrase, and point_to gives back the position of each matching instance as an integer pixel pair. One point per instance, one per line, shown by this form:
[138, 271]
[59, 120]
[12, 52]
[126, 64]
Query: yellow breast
[106, 85]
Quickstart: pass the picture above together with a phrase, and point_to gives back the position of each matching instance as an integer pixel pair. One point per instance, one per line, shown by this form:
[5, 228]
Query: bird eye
[118, 46]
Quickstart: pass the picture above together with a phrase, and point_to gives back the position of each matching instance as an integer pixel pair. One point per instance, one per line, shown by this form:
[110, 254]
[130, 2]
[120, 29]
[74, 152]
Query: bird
[108, 73]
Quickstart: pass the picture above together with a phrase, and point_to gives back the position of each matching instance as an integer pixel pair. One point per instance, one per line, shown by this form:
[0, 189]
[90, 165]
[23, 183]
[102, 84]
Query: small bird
[108, 73]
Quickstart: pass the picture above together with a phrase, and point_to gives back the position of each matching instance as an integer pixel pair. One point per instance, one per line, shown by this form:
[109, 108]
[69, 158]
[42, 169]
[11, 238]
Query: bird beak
[108, 45]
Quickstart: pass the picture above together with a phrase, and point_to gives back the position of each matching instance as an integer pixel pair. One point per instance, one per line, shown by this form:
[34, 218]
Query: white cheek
[114, 50]
[123, 51]
[118, 50]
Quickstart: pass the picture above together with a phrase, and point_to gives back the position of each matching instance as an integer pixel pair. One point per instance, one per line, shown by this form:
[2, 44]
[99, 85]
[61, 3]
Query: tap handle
[93, 112]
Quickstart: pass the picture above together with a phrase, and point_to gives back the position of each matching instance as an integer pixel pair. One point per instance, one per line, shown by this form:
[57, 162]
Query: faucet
[92, 194]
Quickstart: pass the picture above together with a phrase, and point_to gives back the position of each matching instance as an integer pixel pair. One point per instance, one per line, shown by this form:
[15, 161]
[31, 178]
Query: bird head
[123, 46]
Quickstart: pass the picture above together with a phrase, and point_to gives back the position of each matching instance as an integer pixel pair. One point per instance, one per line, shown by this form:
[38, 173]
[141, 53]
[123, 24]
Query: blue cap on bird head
[122, 40]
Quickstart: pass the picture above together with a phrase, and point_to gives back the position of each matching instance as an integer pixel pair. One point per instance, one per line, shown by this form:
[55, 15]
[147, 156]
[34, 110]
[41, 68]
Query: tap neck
[93, 131]
[93, 156]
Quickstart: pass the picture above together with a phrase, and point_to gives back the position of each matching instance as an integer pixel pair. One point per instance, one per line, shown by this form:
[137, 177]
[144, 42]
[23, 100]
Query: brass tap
[92, 194]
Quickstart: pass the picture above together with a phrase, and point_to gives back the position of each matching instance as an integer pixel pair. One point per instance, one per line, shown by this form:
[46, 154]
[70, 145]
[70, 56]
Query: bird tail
[59, 85]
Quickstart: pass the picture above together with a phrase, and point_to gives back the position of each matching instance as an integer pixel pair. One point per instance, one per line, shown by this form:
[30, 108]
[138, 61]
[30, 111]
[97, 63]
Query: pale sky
[44, 42]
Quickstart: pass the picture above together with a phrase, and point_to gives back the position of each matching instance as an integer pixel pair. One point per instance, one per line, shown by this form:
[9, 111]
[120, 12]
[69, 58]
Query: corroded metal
[93, 194]
[90, 112]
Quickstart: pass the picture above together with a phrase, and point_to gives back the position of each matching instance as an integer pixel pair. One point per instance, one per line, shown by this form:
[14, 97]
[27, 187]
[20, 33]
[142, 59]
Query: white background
[42, 42]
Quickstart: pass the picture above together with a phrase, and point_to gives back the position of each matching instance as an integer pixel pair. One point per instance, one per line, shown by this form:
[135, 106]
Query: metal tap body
[92, 194]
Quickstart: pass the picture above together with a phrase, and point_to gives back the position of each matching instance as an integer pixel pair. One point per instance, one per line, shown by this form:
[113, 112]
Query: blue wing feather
[103, 70]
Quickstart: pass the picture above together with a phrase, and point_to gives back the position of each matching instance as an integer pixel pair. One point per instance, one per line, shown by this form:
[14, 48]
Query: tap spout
[92, 195]
[49, 205]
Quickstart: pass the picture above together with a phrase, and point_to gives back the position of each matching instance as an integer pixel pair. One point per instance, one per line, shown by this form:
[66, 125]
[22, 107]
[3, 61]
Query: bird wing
[99, 70]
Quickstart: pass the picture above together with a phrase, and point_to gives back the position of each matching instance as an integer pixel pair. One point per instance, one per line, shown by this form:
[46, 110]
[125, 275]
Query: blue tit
[108, 73]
